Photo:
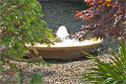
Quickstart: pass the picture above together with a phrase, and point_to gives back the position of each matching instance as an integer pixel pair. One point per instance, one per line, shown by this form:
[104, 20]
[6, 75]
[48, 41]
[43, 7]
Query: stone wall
[61, 12]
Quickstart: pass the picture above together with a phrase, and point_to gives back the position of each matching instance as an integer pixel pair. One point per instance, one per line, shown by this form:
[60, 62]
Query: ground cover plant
[21, 23]
[105, 18]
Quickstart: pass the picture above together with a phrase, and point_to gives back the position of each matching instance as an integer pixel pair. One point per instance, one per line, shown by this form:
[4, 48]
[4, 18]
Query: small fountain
[64, 47]
[62, 34]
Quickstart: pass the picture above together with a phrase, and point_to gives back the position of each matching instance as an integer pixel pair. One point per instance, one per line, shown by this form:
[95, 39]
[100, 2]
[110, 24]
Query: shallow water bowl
[68, 51]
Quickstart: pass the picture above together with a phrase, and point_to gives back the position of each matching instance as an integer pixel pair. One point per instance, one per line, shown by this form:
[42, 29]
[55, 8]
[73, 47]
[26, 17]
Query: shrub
[103, 18]
[113, 72]
[20, 23]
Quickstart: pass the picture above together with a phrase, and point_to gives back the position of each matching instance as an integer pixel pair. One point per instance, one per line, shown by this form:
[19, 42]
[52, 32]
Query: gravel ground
[59, 71]
[69, 71]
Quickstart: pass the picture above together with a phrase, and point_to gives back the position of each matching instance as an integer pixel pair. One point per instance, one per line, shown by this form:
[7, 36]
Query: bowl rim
[64, 47]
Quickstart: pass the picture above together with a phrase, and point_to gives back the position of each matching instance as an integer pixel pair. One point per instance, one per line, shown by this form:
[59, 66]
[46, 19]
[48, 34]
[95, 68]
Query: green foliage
[21, 23]
[113, 72]
[36, 79]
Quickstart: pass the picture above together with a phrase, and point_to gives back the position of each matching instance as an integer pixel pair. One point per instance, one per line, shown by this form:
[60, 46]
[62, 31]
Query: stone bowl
[63, 51]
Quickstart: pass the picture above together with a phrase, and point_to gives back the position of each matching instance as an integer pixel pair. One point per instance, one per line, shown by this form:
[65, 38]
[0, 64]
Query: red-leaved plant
[103, 18]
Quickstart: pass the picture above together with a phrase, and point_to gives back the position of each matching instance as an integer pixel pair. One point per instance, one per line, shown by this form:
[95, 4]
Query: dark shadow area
[56, 61]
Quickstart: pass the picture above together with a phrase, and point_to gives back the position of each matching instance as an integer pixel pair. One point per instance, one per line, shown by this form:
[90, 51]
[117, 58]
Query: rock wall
[61, 12]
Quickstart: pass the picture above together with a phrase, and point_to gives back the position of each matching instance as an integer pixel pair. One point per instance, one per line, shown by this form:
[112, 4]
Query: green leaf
[36, 79]
[22, 2]
[0, 12]
[116, 82]
[44, 63]
[106, 81]
[1, 67]
[3, 59]
[13, 0]
[21, 23]
[113, 72]
[4, 4]
[21, 75]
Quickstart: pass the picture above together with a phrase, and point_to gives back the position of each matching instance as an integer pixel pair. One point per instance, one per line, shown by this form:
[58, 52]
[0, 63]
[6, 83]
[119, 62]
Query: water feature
[64, 47]
[62, 36]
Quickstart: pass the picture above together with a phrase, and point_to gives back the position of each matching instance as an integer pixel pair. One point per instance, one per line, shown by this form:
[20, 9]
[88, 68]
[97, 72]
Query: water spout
[62, 33]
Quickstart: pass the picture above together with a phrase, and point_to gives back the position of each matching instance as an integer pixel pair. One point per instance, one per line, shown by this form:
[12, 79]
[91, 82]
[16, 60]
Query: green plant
[20, 23]
[113, 72]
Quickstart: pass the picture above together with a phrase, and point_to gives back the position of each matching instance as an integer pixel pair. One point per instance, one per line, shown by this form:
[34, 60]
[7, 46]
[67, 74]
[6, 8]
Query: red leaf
[78, 14]
[124, 22]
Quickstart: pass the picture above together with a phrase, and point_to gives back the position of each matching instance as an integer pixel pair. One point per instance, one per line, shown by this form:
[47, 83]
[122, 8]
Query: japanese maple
[103, 18]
